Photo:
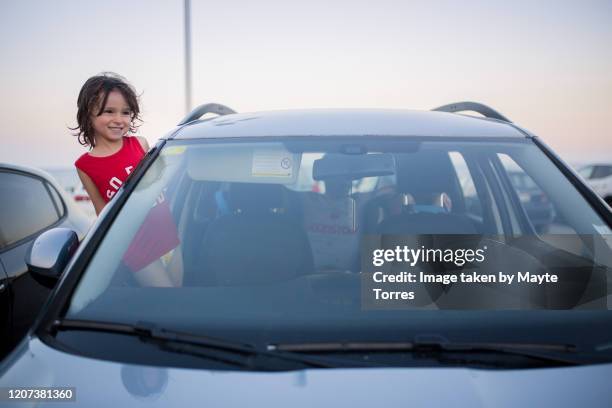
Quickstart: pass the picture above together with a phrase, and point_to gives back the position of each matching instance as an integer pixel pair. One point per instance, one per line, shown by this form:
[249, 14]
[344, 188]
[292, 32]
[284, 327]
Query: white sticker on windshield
[272, 163]
[173, 150]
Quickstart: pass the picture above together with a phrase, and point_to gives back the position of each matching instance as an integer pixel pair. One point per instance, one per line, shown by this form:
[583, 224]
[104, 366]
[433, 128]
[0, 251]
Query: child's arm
[154, 275]
[92, 191]
[159, 275]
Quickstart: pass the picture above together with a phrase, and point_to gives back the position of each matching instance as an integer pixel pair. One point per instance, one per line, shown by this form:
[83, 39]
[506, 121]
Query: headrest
[255, 197]
[425, 173]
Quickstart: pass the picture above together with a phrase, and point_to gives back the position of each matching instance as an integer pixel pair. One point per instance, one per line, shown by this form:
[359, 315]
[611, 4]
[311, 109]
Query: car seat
[428, 177]
[256, 244]
[427, 182]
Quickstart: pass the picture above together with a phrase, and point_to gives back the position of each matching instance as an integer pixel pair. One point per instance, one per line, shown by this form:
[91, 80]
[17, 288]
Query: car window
[601, 172]
[586, 172]
[279, 234]
[59, 203]
[468, 188]
[534, 202]
[26, 207]
[552, 220]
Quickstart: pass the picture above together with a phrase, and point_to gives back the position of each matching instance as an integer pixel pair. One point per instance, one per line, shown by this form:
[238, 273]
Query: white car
[599, 178]
[269, 292]
[69, 180]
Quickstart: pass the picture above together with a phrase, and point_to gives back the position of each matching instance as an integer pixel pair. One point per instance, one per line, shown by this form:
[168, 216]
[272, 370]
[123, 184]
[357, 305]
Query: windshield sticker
[272, 163]
[173, 151]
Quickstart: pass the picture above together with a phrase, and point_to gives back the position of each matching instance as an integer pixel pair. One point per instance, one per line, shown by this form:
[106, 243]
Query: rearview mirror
[353, 167]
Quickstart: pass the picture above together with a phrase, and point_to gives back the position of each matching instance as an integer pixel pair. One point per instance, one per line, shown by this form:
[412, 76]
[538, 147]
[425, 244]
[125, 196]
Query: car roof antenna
[473, 106]
[202, 110]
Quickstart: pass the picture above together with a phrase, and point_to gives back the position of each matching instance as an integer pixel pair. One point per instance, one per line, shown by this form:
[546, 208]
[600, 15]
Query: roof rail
[473, 106]
[202, 110]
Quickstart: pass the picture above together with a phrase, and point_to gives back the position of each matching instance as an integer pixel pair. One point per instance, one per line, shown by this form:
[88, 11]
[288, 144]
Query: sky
[546, 65]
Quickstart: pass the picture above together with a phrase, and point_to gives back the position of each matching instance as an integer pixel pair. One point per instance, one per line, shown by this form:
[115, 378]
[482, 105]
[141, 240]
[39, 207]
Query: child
[107, 111]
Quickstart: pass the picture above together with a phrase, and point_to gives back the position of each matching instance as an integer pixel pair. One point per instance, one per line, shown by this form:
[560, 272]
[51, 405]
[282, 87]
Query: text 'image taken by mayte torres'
[407, 277]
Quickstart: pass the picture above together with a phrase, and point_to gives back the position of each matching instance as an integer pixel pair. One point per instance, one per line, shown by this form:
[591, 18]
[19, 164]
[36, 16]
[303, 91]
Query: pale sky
[547, 65]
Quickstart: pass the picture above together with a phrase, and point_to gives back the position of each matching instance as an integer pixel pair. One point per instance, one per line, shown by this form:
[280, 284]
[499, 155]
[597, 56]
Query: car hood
[100, 383]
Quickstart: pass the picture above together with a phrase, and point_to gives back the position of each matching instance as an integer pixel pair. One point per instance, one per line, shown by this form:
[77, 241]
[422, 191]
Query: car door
[26, 209]
[5, 305]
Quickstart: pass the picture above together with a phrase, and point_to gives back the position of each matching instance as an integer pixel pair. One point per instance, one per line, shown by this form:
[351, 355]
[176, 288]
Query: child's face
[114, 122]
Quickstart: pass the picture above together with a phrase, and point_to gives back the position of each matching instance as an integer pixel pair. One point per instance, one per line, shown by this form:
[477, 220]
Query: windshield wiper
[550, 354]
[222, 350]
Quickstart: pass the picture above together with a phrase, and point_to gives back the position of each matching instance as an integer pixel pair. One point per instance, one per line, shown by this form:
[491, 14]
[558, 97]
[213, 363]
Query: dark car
[32, 202]
[218, 276]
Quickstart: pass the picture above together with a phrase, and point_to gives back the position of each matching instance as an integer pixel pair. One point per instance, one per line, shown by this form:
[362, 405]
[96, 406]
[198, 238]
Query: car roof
[35, 172]
[26, 169]
[347, 122]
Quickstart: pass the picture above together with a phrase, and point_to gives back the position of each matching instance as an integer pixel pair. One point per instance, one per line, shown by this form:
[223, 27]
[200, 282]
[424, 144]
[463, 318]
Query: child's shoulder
[82, 160]
[143, 142]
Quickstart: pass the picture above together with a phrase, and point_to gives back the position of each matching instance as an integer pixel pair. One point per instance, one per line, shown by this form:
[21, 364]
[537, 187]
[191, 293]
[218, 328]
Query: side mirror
[50, 254]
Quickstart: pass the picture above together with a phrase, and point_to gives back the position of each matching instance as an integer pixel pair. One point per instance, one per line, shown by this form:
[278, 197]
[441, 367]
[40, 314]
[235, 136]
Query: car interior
[312, 231]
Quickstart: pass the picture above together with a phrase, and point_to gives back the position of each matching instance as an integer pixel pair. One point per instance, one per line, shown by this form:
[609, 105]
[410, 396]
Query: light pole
[187, 56]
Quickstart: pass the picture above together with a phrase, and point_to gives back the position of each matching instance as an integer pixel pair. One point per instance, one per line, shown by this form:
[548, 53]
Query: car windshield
[311, 240]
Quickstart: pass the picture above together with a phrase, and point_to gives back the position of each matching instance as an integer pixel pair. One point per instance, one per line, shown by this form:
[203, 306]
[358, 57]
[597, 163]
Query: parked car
[218, 276]
[599, 177]
[32, 202]
[69, 180]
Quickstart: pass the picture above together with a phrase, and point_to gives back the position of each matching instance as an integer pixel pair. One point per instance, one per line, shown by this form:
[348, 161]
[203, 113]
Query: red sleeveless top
[109, 172]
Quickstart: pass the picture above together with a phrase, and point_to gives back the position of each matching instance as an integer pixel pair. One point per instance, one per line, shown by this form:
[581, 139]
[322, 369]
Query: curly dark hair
[94, 94]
